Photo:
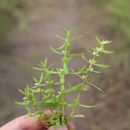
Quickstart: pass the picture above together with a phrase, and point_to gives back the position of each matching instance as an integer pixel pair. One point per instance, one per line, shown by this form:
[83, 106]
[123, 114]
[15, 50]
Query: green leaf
[82, 69]
[45, 62]
[34, 98]
[50, 102]
[107, 52]
[98, 72]
[98, 41]
[59, 37]
[35, 80]
[65, 68]
[28, 110]
[24, 103]
[67, 60]
[76, 54]
[73, 88]
[65, 30]
[61, 47]
[76, 38]
[105, 42]
[51, 66]
[103, 66]
[83, 57]
[96, 87]
[73, 104]
[53, 72]
[41, 78]
[35, 68]
[39, 85]
[21, 91]
[55, 51]
[86, 106]
[79, 116]
[27, 91]
[38, 90]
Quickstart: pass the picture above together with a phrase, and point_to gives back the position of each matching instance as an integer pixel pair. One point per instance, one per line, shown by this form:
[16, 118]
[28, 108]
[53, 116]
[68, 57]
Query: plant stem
[84, 82]
[62, 100]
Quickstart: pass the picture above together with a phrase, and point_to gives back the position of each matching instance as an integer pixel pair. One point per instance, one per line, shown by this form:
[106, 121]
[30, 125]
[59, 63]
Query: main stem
[62, 92]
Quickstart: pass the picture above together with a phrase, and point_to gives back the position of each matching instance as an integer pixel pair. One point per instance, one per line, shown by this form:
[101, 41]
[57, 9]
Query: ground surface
[28, 45]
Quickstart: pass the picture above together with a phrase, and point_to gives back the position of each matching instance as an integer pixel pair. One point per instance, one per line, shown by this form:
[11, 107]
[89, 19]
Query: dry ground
[29, 44]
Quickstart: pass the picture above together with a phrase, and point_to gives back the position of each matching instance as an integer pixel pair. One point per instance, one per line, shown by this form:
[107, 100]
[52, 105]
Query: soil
[29, 43]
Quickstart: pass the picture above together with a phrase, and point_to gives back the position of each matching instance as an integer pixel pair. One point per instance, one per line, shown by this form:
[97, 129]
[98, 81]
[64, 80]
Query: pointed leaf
[41, 78]
[29, 111]
[76, 38]
[65, 68]
[79, 116]
[98, 41]
[59, 37]
[35, 68]
[34, 98]
[86, 106]
[103, 66]
[73, 104]
[76, 54]
[64, 30]
[45, 62]
[96, 87]
[106, 42]
[61, 47]
[83, 57]
[73, 88]
[35, 80]
[98, 72]
[21, 91]
[55, 51]
[22, 103]
[107, 52]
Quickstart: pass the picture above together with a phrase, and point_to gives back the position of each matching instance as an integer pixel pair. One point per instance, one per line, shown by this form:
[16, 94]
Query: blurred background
[27, 29]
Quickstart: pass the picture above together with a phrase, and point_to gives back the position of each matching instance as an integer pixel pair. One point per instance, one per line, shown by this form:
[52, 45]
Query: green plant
[118, 24]
[43, 96]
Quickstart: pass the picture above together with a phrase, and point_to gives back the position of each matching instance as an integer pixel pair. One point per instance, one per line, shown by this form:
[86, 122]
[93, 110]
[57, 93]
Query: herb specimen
[42, 96]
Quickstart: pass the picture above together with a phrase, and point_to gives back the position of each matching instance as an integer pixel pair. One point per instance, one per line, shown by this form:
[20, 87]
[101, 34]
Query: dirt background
[29, 43]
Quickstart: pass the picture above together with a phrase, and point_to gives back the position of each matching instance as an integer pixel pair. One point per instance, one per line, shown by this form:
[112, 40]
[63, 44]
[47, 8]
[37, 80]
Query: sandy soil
[30, 42]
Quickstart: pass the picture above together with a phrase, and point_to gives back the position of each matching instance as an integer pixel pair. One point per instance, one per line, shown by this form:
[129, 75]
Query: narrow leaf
[65, 69]
[35, 80]
[29, 111]
[79, 116]
[55, 51]
[59, 37]
[35, 68]
[41, 78]
[96, 87]
[21, 91]
[73, 104]
[103, 66]
[106, 42]
[86, 106]
[73, 88]
[98, 41]
[61, 47]
[64, 30]
[22, 103]
[45, 62]
[76, 54]
[98, 72]
[107, 52]
[83, 57]
[76, 38]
